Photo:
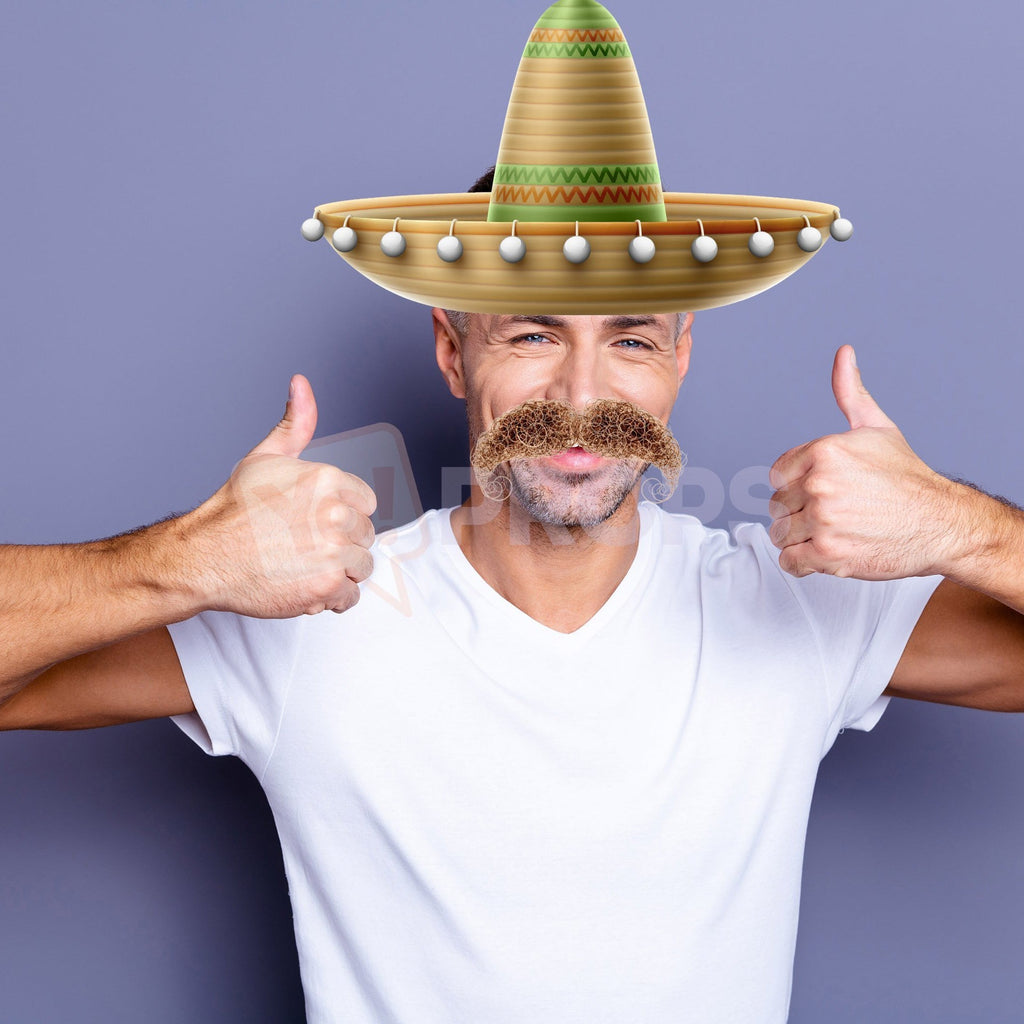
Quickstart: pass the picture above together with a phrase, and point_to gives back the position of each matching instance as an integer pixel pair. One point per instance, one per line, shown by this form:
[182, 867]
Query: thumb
[297, 426]
[854, 400]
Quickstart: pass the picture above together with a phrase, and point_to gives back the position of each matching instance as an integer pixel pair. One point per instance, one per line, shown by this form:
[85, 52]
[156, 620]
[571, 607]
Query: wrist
[156, 569]
[986, 535]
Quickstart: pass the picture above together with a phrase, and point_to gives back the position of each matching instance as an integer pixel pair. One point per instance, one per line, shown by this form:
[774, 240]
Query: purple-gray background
[157, 159]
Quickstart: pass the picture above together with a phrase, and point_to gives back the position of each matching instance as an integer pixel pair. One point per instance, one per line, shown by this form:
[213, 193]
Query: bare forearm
[61, 600]
[987, 549]
[968, 645]
[282, 537]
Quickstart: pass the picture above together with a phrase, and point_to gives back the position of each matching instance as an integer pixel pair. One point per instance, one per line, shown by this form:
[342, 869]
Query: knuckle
[331, 474]
[830, 450]
[825, 516]
[330, 479]
[819, 510]
[358, 493]
[351, 525]
[818, 485]
[828, 548]
[357, 499]
[346, 519]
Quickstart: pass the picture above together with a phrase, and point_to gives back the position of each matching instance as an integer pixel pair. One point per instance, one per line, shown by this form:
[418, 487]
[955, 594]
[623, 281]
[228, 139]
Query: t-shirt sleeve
[238, 670]
[861, 628]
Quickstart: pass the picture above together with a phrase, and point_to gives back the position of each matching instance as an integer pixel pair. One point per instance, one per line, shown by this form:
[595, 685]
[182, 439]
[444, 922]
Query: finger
[351, 598]
[355, 491]
[791, 466]
[854, 400]
[351, 525]
[345, 600]
[788, 531]
[298, 425]
[787, 501]
[358, 564]
[816, 555]
[800, 559]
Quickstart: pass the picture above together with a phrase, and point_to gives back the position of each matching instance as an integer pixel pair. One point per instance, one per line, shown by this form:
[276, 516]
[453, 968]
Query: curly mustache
[608, 427]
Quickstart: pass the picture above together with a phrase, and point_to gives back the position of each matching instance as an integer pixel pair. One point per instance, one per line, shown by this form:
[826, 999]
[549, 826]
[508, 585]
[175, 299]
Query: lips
[577, 459]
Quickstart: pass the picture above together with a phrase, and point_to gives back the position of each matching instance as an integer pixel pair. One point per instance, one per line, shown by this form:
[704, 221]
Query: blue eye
[632, 343]
[530, 338]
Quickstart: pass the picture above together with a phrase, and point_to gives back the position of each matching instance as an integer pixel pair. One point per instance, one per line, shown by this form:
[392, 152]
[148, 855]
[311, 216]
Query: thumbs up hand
[284, 537]
[860, 503]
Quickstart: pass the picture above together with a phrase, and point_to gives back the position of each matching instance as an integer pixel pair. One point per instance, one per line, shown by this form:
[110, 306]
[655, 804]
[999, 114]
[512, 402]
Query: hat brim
[546, 282]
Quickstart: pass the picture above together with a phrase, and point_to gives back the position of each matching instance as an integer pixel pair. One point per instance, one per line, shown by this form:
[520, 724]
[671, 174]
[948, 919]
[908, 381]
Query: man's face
[502, 361]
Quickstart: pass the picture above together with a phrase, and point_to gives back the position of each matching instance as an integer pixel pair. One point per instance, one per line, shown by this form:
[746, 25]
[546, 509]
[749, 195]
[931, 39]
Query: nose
[580, 377]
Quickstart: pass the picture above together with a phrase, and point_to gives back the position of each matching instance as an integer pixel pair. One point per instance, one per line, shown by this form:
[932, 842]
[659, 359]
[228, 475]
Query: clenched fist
[284, 537]
[861, 503]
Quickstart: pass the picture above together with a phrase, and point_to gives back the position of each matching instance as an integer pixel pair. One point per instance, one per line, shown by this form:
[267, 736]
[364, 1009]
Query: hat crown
[576, 14]
[577, 142]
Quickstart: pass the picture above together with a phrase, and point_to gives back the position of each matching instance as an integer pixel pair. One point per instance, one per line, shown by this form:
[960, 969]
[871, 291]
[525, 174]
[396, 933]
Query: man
[566, 775]
[599, 813]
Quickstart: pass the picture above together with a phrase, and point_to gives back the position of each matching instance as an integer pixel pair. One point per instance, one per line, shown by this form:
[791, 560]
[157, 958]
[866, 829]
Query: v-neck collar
[529, 628]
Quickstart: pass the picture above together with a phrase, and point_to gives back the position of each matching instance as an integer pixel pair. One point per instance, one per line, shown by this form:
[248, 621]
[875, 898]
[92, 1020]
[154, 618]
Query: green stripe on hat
[576, 50]
[648, 213]
[577, 14]
[579, 174]
[577, 143]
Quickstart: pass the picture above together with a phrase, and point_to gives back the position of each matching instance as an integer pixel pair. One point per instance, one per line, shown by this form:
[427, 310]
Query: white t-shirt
[490, 822]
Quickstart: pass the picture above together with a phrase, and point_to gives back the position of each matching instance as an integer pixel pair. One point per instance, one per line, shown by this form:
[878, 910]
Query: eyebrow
[539, 319]
[622, 323]
[618, 323]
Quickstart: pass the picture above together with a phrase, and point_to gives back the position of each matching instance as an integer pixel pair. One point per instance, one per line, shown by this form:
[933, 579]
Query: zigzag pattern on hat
[582, 174]
[577, 50]
[575, 195]
[576, 151]
[577, 35]
[577, 143]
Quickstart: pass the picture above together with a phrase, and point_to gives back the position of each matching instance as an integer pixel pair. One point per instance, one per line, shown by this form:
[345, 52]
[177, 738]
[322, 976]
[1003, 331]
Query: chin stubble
[618, 430]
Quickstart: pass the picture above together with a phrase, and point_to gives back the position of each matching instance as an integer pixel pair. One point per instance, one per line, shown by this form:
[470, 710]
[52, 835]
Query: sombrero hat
[576, 220]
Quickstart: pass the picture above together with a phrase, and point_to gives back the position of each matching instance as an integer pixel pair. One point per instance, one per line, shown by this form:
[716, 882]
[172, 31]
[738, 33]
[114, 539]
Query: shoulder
[744, 562]
[413, 549]
[743, 547]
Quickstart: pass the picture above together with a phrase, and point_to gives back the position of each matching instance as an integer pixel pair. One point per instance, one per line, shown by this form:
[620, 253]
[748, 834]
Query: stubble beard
[572, 500]
[510, 458]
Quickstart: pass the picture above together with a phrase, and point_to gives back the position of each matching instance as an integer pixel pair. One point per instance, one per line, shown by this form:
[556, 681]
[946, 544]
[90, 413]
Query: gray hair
[458, 320]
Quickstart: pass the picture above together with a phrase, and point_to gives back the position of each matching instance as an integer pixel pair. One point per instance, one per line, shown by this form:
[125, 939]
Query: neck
[560, 576]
